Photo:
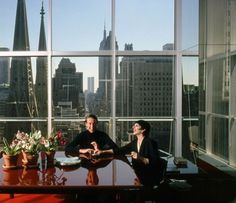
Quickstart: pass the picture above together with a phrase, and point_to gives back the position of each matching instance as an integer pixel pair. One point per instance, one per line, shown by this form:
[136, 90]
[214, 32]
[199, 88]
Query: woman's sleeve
[125, 149]
[109, 143]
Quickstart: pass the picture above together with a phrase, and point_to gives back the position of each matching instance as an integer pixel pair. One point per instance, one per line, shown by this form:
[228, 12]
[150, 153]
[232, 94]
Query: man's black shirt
[84, 139]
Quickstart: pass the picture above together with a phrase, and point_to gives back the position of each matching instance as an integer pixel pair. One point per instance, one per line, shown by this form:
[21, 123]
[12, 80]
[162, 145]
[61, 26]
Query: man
[91, 139]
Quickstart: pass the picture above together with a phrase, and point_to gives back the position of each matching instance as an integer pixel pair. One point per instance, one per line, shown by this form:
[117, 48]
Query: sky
[78, 26]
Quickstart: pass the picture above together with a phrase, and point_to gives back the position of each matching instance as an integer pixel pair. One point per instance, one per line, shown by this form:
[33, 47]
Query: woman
[142, 149]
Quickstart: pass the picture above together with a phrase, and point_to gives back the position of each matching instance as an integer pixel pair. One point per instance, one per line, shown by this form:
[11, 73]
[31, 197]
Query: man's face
[91, 124]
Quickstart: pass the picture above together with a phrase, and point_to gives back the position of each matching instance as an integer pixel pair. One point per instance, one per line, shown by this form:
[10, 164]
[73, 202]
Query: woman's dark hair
[91, 116]
[144, 126]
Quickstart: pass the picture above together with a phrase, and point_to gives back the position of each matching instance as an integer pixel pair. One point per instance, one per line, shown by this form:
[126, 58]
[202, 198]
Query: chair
[157, 192]
[194, 140]
[162, 169]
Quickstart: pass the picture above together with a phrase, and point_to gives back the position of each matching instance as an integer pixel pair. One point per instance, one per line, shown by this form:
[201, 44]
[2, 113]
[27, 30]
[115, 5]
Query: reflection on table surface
[106, 172]
[100, 172]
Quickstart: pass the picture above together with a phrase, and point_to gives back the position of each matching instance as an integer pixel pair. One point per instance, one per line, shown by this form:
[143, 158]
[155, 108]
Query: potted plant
[30, 146]
[10, 153]
[51, 144]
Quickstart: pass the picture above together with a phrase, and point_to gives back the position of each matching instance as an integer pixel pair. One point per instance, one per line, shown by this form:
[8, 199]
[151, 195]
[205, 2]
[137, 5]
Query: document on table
[67, 161]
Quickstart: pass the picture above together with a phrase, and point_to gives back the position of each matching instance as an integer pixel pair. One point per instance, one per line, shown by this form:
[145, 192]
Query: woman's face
[137, 129]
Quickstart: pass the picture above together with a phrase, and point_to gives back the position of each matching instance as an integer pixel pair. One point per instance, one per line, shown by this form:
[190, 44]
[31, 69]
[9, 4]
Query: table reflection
[92, 164]
[9, 177]
[50, 177]
[105, 173]
[29, 177]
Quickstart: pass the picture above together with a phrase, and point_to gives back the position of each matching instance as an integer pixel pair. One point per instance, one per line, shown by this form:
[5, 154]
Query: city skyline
[80, 30]
[69, 102]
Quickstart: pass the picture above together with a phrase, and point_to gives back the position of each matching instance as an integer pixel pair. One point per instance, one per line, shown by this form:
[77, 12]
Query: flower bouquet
[31, 145]
[53, 141]
[51, 144]
[10, 153]
[11, 149]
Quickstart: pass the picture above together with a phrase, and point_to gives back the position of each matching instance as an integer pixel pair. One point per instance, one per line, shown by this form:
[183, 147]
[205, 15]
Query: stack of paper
[67, 161]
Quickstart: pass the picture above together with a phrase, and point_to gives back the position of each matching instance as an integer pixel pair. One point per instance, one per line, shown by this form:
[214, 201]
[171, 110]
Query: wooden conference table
[105, 174]
[112, 174]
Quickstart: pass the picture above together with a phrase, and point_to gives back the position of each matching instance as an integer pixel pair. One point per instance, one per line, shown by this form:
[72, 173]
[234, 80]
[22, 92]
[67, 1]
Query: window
[114, 58]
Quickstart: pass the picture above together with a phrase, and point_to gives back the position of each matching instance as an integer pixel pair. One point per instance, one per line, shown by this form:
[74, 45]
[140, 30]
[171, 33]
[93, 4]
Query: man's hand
[97, 152]
[95, 145]
[86, 156]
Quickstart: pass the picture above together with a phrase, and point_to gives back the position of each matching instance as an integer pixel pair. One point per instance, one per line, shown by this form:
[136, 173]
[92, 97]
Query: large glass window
[81, 85]
[220, 138]
[216, 78]
[14, 26]
[145, 86]
[190, 20]
[148, 26]
[60, 60]
[80, 24]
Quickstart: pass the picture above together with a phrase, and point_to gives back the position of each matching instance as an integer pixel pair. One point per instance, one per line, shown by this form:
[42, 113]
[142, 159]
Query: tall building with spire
[41, 76]
[22, 101]
[105, 76]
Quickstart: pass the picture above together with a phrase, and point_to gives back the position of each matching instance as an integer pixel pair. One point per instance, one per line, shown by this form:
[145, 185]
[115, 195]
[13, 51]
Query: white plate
[68, 161]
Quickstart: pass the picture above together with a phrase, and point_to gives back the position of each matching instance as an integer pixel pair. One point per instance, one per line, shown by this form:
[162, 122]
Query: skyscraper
[41, 76]
[4, 93]
[104, 77]
[22, 101]
[4, 68]
[90, 84]
[146, 90]
[68, 85]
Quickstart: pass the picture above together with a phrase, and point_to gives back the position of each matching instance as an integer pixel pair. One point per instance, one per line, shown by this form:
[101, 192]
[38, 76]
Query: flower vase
[10, 161]
[30, 160]
[50, 157]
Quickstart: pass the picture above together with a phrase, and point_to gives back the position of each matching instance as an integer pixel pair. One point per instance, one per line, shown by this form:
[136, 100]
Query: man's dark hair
[91, 116]
[144, 126]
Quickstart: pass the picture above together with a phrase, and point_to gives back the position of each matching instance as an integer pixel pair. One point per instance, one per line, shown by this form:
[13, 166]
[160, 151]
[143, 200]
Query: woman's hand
[134, 155]
[88, 150]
